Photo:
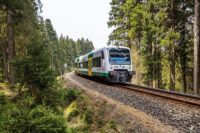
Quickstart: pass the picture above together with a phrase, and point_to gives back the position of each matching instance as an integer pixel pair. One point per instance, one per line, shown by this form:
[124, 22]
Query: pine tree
[16, 13]
[35, 69]
[116, 19]
[196, 48]
[53, 45]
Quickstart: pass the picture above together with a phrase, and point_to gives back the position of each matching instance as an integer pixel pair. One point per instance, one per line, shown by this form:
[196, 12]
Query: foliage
[160, 35]
[2, 99]
[69, 95]
[72, 49]
[24, 114]
[17, 118]
[24, 27]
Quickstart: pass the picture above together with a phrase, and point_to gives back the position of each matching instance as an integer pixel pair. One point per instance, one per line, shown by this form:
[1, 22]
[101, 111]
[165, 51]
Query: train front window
[119, 56]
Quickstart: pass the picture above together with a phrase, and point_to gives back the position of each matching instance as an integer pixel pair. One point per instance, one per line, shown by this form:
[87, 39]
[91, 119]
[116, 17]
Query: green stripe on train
[100, 74]
[83, 72]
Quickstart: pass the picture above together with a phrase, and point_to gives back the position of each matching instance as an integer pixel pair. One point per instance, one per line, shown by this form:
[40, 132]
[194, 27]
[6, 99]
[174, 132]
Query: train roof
[107, 47]
[97, 50]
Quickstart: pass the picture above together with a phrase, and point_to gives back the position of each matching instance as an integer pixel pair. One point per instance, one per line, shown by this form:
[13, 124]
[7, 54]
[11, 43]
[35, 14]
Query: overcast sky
[79, 18]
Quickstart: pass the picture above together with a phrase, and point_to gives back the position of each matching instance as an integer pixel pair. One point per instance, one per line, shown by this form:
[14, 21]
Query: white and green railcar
[110, 63]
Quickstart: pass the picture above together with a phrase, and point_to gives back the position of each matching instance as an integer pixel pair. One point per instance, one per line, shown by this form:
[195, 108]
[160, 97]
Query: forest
[164, 38]
[24, 30]
[32, 60]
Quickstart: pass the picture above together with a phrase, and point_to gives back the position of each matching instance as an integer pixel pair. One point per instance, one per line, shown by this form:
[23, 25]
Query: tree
[35, 67]
[53, 46]
[16, 13]
[73, 49]
[116, 19]
[160, 35]
[196, 47]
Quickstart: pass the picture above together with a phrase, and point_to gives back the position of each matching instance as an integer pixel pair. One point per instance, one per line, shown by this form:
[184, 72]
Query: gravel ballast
[184, 117]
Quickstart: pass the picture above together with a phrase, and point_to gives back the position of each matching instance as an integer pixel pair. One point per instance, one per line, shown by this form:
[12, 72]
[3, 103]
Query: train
[110, 63]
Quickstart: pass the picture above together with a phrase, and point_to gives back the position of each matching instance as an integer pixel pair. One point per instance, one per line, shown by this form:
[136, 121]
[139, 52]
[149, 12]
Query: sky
[79, 18]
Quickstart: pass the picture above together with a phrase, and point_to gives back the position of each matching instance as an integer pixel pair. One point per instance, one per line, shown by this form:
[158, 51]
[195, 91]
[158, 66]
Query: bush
[69, 95]
[2, 99]
[40, 119]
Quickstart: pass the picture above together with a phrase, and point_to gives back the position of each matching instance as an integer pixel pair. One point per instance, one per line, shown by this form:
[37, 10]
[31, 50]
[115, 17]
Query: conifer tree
[196, 47]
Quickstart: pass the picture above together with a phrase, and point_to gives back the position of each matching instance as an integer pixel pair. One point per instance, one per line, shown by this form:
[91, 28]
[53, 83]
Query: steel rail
[180, 97]
[176, 96]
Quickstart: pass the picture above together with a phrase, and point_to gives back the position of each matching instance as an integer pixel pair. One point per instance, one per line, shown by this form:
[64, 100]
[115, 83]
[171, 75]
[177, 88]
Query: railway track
[175, 96]
[180, 97]
[179, 110]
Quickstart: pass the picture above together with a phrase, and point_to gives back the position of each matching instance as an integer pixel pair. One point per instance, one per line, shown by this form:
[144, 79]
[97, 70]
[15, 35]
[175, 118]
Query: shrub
[40, 119]
[2, 99]
[69, 95]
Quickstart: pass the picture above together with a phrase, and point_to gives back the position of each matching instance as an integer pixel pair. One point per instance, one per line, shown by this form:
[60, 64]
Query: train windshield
[119, 56]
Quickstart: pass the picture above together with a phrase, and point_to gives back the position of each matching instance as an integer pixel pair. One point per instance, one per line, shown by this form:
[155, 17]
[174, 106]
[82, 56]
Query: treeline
[74, 49]
[164, 38]
[23, 32]
[31, 59]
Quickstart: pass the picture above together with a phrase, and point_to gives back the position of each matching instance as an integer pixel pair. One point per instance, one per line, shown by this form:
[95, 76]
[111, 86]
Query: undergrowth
[71, 112]
[23, 113]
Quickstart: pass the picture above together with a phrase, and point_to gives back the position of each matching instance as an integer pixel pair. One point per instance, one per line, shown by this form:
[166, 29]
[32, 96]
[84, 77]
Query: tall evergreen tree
[196, 47]
[16, 13]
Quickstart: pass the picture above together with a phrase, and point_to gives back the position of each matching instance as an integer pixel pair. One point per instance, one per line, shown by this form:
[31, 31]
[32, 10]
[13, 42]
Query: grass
[80, 113]
[86, 115]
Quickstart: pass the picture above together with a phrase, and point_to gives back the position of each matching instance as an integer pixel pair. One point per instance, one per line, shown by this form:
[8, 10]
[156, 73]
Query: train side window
[99, 61]
[86, 64]
[93, 62]
[96, 62]
[102, 55]
[81, 65]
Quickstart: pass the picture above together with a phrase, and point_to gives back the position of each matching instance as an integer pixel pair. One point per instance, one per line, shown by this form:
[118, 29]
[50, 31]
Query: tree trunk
[151, 64]
[159, 74]
[5, 62]
[196, 48]
[11, 47]
[2, 58]
[172, 49]
[183, 58]
[158, 68]
[172, 69]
